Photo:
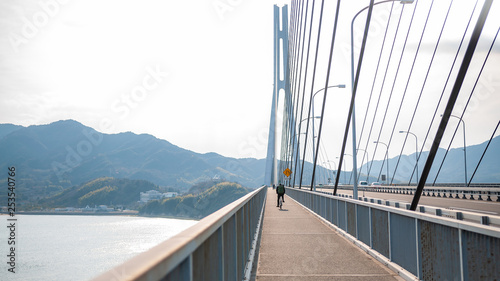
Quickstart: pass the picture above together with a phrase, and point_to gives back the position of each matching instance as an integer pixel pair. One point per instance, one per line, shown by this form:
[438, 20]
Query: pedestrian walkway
[296, 245]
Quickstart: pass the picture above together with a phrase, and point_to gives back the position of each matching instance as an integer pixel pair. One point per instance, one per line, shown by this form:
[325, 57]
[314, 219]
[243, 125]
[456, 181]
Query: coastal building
[155, 195]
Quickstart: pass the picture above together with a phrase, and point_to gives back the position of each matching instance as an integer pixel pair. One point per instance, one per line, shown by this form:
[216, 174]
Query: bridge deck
[296, 245]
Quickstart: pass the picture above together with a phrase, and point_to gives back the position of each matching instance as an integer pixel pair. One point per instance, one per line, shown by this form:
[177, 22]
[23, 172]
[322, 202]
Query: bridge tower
[280, 83]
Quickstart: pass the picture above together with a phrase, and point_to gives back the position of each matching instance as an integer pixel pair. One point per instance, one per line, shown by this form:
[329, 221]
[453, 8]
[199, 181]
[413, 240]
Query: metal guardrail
[447, 192]
[459, 215]
[427, 246]
[457, 192]
[473, 185]
[219, 247]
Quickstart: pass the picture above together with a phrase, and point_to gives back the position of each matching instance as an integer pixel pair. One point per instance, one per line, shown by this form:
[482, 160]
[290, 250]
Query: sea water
[77, 248]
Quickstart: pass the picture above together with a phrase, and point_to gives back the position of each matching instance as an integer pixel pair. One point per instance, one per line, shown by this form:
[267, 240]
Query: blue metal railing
[428, 247]
[219, 247]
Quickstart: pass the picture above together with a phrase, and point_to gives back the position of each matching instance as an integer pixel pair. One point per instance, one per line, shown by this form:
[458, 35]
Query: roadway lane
[484, 207]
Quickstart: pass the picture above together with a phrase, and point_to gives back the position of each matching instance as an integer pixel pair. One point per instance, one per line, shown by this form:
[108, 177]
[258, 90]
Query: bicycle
[281, 202]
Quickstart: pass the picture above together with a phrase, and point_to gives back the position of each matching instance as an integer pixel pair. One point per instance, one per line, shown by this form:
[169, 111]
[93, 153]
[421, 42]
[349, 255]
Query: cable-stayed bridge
[347, 79]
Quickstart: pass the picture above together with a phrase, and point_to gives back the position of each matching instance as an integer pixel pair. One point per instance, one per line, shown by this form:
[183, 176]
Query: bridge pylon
[280, 81]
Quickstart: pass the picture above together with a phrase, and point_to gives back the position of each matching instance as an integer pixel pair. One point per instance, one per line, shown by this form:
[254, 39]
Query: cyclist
[280, 190]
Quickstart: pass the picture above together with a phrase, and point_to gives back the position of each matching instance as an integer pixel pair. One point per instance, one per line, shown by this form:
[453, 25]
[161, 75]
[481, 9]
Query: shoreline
[134, 214]
[129, 214]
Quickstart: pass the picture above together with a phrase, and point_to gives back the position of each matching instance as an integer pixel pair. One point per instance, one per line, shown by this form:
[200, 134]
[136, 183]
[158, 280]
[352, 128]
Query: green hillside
[101, 191]
[196, 206]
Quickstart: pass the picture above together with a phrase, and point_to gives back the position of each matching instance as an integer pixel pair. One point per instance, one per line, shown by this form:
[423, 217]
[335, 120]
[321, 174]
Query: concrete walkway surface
[296, 245]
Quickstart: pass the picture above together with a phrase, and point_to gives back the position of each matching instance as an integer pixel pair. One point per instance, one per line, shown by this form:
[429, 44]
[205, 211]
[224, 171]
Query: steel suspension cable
[297, 89]
[296, 46]
[395, 77]
[292, 60]
[353, 97]
[424, 83]
[382, 88]
[469, 99]
[324, 161]
[406, 88]
[326, 91]
[449, 75]
[371, 91]
[289, 85]
[451, 100]
[312, 87]
[293, 54]
[448, 79]
[392, 89]
[484, 152]
[291, 39]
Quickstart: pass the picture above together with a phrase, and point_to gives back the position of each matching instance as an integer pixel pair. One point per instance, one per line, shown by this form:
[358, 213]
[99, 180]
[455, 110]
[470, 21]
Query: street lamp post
[387, 157]
[314, 95]
[355, 187]
[416, 148]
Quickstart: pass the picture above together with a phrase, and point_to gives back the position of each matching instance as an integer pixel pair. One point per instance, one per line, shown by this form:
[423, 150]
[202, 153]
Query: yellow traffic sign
[287, 172]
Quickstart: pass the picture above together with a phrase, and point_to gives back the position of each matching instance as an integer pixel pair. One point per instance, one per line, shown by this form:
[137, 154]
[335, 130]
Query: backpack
[281, 189]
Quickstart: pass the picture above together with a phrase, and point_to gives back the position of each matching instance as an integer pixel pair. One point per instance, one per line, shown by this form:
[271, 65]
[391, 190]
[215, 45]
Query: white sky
[196, 73]
[87, 59]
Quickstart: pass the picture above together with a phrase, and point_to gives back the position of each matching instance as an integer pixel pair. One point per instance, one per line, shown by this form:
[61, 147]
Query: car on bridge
[375, 184]
[363, 183]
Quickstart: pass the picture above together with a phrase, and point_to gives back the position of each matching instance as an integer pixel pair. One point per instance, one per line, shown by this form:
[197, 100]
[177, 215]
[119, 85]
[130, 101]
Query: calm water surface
[79, 247]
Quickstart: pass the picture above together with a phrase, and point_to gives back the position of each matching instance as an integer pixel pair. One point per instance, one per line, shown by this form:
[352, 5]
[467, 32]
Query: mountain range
[49, 158]
[452, 170]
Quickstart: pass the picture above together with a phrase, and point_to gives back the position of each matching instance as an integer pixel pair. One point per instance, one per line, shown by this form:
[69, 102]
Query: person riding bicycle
[280, 190]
